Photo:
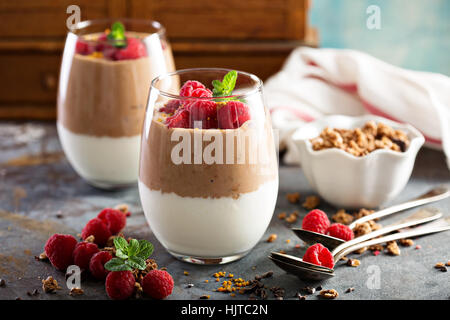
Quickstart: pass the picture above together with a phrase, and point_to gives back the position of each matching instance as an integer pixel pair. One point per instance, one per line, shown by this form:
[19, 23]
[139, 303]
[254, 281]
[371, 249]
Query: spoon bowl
[310, 237]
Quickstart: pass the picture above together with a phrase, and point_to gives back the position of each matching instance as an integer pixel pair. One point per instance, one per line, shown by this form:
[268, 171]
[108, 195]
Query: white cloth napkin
[318, 82]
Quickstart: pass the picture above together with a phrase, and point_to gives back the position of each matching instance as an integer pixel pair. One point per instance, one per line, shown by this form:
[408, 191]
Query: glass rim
[258, 81]
[160, 29]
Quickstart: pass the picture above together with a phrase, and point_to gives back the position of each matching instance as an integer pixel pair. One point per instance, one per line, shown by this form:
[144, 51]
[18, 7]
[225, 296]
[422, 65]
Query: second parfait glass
[208, 174]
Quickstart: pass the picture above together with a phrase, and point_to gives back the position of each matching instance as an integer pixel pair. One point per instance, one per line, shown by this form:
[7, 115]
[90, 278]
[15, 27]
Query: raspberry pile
[317, 221]
[91, 255]
[204, 113]
[112, 45]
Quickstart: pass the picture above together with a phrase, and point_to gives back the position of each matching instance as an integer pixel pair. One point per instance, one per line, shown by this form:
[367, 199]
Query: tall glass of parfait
[208, 177]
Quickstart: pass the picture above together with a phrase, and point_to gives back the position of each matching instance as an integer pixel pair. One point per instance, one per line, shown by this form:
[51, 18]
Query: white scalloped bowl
[355, 182]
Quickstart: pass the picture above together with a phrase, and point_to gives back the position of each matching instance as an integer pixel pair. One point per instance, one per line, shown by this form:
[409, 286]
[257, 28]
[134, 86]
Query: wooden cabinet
[250, 35]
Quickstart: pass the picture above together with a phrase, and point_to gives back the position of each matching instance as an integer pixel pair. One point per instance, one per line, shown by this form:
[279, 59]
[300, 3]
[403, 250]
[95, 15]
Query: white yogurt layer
[207, 227]
[102, 159]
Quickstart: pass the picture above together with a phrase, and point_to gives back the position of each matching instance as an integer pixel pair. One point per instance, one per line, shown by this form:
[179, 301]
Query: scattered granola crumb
[272, 237]
[49, 285]
[293, 197]
[206, 281]
[406, 242]
[311, 202]
[288, 240]
[282, 215]
[349, 290]
[376, 247]
[42, 257]
[205, 296]
[344, 258]
[362, 229]
[278, 292]
[282, 251]
[342, 217]
[329, 294]
[76, 292]
[292, 217]
[441, 266]
[138, 290]
[186, 273]
[392, 248]
[447, 263]
[91, 239]
[359, 251]
[233, 294]
[364, 212]
[353, 262]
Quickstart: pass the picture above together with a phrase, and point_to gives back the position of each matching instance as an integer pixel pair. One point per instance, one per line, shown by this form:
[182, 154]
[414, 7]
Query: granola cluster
[361, 141]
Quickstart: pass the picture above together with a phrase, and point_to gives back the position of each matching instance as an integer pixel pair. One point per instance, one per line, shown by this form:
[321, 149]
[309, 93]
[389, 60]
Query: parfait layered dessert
[208, 177]
[104, 83]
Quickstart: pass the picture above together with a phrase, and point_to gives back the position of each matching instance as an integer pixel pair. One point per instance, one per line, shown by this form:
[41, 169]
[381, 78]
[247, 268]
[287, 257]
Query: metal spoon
[310, 237]
[304, 270]
[422, 216]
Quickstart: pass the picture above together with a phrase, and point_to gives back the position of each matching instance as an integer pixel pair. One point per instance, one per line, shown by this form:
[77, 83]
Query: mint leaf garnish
[129, 255]
[117, 35]
[226, 86]
[117, 264]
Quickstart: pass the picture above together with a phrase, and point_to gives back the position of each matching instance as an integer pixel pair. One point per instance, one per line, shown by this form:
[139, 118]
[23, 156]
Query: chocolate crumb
[2, 283]
[309, 290]
[319, 288]
[299, 296]
[205, 296]
[349, 290]
[267, 274]
[293, 197]
[18, 298]
[189, 285]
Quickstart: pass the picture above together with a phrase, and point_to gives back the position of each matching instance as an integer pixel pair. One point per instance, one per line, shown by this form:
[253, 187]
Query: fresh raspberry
[340, 231]
[171, 106]
[59, 249]
[317, 221]
[97, 228]
[201, 93]
[120, 284]
[204, 111]
[134, 50]
[233, 115]
[158, 284]
[189, 86]
[83, 253]
[181, 119]
[319, 255]
[83, 48]
[97, 264]
[115, 220]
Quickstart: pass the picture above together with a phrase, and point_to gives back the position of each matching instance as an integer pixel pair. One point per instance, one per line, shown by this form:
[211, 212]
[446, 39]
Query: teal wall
[414, 34]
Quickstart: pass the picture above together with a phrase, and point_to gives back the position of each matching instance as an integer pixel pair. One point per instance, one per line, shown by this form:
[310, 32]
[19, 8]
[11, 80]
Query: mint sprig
[117, 35]
[129, 255]
[226, 86]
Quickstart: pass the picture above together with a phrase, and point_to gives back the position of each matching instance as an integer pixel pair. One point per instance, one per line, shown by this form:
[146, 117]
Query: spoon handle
[433, 195]
[421, 216]
[436, 226]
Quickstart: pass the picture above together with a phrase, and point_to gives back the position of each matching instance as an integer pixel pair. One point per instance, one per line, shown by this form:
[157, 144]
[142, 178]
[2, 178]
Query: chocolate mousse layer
[108, 98]
[204, 180]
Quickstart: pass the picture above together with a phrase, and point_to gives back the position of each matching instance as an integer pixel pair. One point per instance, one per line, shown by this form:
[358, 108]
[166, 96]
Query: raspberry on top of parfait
[216, 109]
[113, 45]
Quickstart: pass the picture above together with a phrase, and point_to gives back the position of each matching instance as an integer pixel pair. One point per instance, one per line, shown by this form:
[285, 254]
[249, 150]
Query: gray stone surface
[46, 195]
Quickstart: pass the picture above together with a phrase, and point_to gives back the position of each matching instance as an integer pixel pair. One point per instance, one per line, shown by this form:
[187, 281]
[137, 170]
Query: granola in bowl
[365, 162]
[361, 141]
